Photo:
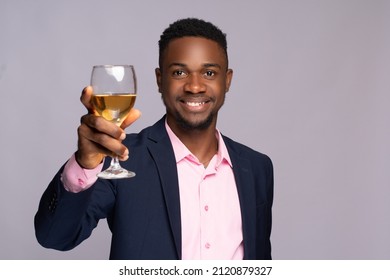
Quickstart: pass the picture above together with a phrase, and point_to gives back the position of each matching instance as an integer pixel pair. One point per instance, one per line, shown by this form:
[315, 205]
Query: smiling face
[193, 80]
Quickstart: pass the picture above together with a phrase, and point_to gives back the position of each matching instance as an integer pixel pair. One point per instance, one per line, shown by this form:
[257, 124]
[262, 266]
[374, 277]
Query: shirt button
[206, 208]
[207, 245]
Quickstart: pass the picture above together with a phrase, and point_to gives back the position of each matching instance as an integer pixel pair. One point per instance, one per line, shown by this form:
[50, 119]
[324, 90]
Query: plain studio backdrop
[311, 89]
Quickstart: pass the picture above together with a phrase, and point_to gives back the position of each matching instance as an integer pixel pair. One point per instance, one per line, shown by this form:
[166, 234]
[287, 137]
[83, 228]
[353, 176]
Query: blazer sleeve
[65, 219]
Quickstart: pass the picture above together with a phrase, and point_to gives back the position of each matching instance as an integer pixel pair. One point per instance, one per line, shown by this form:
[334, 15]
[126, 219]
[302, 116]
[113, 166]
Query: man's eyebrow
[210, 65]
[205, 65]
[176, 64]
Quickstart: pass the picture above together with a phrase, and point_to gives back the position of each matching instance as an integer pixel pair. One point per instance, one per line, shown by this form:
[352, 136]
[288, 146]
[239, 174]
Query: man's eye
[179, 73]
[209, 74]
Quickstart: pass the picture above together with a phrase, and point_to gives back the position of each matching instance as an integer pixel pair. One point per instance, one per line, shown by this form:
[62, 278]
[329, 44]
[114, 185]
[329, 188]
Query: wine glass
[114, 93]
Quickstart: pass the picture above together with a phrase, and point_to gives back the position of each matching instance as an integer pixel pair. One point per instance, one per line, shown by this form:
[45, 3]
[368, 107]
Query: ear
[229, 77]
[158, 78]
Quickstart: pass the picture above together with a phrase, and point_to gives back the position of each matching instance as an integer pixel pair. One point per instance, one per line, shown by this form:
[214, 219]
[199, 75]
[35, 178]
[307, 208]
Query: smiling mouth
[195, 104]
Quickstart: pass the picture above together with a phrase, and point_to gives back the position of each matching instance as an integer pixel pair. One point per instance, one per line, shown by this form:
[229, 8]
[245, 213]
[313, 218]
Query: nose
[194, 84]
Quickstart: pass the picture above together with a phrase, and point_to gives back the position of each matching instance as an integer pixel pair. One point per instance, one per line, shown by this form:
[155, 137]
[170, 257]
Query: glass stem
[115, 164]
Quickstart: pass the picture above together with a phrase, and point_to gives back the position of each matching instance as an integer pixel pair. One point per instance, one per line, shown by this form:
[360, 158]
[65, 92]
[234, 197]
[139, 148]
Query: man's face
[193, 81]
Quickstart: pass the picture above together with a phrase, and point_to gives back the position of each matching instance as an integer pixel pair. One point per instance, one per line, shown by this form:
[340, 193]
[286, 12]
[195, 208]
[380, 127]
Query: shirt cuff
[77, 179]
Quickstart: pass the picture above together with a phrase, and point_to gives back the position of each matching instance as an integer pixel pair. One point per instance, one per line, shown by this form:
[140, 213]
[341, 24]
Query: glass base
[117, 173]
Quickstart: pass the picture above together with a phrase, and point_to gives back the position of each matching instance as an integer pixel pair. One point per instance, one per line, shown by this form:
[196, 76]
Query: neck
[202, 143]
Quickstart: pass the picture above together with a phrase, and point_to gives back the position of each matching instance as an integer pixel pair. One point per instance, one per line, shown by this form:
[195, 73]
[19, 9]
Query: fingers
[98, 138]
[100, 125]
[103, 133]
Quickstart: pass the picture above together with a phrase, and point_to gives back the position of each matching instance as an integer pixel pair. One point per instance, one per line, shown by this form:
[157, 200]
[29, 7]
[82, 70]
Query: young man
[197, 194]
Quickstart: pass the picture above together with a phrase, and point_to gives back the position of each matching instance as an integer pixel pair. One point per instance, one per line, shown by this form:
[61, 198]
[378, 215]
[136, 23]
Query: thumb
[85, 98]
[133, 115]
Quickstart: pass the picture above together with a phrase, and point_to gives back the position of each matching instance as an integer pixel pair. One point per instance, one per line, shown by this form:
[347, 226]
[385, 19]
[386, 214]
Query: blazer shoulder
[154, 133]
[245, 151]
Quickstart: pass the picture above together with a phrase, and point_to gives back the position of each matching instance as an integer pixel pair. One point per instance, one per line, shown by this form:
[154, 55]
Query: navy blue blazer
[143, 213]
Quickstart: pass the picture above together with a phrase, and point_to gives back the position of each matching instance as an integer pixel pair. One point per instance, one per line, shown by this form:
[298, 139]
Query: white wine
[113, 108]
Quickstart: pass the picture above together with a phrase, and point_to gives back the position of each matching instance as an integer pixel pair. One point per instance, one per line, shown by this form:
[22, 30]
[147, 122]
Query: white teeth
[194, 104]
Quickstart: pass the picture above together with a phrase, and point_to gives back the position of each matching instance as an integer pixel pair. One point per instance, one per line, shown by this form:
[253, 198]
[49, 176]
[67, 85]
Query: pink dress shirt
[209, 204]
[77, 179]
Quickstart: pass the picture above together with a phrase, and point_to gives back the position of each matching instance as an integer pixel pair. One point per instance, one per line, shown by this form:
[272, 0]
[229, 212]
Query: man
[197, 194]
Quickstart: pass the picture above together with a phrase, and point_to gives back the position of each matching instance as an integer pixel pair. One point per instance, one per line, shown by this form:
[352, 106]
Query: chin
[194, 125]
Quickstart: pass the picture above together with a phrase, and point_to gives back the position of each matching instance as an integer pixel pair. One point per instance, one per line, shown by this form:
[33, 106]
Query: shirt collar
[181, 151]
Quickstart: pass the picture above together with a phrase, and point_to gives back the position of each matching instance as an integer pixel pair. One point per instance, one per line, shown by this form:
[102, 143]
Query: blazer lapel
[161, 150]
[246, 193]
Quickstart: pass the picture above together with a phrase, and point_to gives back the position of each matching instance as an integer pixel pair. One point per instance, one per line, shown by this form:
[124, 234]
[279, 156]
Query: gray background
[311, 89]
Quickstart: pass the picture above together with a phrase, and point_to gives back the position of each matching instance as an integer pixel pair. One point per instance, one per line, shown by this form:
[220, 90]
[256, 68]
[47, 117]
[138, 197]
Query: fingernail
[124, 158]
[123, 136]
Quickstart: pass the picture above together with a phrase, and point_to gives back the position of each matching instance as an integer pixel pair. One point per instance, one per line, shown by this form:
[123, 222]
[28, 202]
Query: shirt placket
[207, 228]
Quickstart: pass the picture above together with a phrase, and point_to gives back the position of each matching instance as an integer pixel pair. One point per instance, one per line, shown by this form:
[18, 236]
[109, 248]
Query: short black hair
[191, 27]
